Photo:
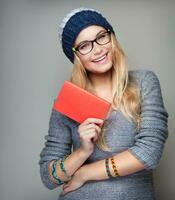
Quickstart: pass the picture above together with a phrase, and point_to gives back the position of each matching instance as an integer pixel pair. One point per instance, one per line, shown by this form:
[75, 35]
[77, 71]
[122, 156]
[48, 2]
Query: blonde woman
[114, 158]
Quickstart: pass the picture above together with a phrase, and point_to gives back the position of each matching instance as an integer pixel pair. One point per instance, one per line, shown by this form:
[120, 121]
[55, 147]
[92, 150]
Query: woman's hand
[76, 182]
[89, 131]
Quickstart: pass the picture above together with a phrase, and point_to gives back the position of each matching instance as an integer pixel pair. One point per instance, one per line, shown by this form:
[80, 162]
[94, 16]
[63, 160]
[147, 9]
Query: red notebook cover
[79, 104]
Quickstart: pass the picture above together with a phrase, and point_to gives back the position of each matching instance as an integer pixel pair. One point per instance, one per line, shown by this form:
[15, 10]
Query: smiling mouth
[100, 59]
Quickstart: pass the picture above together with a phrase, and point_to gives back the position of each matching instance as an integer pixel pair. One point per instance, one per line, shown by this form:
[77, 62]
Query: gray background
[33, 67]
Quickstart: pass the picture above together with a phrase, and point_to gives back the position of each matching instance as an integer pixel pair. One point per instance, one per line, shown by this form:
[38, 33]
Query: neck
[102, 79]
[102, 83]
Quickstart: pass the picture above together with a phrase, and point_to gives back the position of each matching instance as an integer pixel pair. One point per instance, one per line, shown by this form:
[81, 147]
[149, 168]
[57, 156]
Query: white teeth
[99, 59]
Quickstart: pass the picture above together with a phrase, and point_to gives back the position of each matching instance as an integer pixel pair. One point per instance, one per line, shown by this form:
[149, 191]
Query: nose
[97, 48]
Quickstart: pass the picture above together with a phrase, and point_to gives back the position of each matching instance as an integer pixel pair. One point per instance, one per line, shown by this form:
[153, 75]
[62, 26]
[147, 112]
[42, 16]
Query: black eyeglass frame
[75, 49]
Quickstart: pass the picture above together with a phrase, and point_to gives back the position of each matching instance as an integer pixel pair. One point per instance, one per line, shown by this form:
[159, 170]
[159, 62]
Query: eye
[84, 46]
[102, 36]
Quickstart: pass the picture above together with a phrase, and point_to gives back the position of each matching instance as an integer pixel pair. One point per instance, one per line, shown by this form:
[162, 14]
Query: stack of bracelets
[113, 166]
[61, 161]
[53, 171]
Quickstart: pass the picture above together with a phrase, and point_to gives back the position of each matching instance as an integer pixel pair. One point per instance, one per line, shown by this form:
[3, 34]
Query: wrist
[83, 173]
[83, 153]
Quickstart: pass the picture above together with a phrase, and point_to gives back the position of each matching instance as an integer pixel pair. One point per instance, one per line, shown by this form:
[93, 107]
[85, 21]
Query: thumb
[66, 185]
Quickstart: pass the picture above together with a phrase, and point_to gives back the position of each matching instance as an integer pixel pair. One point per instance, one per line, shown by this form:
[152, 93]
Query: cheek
[110, 54]
[109, 48]
[85, 60]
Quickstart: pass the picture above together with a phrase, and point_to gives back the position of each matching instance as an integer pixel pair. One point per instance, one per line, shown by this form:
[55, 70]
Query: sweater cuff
[46, 177]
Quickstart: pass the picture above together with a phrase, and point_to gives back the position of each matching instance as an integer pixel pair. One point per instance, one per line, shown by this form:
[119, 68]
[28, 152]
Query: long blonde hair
[125, 93]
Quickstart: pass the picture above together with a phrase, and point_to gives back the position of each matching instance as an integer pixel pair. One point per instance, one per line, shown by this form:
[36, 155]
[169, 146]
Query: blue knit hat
[76, 21]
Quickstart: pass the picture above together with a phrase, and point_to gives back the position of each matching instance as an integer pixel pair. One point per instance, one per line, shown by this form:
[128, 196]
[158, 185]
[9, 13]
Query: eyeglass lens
[87, 46]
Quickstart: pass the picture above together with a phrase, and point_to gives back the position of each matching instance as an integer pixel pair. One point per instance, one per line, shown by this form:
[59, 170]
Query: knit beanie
[76, 21]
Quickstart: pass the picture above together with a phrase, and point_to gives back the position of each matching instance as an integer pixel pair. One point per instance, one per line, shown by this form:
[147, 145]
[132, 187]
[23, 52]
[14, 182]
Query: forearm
[72, 163]
[125, 162]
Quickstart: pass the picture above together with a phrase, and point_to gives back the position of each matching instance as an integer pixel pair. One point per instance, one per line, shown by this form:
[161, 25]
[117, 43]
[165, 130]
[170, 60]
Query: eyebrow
[82, 42]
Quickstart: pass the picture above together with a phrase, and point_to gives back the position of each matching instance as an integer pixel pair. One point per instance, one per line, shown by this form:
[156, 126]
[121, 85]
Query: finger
[84, 127]
[93, 120]
[66, 185]
[93, 136]
[90, 127]
[98, 129]
[94, 139]
[95, 129]
[68, 189]
[88, 133]
[87, 125]
[65, 188]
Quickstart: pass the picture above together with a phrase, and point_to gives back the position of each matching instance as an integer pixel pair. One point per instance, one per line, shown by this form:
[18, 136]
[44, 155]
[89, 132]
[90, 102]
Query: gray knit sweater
[146, 145]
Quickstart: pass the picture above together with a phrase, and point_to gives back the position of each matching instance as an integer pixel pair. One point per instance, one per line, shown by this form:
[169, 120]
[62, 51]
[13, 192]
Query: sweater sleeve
[153, 132]
[57, 145]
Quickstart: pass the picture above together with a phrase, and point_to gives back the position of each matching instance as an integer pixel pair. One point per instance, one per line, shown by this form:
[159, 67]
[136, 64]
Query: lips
[100, 59]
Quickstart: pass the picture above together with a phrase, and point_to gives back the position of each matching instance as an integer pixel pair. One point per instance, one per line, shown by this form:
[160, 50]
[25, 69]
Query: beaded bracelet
[107, 167]
[62, 167]
[114, 167]
[54, 175]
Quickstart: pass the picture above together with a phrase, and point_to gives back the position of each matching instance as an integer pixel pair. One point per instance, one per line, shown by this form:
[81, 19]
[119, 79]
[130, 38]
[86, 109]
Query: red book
[79, 104]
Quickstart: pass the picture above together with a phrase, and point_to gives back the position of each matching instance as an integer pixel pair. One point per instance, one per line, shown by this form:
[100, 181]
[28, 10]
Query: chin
[101, 69]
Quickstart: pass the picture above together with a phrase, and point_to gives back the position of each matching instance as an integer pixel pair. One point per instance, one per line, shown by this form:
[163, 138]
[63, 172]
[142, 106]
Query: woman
[114, 158]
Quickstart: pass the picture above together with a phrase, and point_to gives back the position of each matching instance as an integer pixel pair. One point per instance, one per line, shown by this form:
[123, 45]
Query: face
[99, 60]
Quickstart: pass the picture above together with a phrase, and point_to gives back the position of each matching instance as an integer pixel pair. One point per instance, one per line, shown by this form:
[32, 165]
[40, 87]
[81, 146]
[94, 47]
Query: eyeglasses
[87, 46]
